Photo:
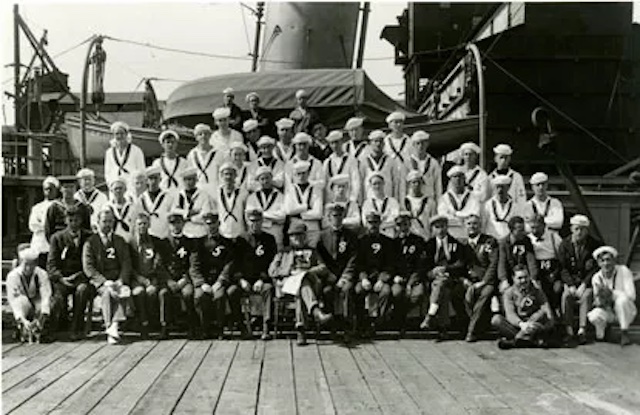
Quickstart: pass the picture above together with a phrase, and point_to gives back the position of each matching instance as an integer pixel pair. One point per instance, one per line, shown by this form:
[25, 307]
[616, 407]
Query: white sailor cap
[335, 135]
[119, 180]
[201, 128]
[189, 172]
[501, 180]
[503, 149]
[395, 116]
[580, 220]
[301, 93]
[373, 175]
[285, 123]
[263, 170]
[228, 166]
[302, 138]
[175, 212]
[251, 95]
[353, 123]
[438, 218]
[50, 180]
[470, 146]
[301, 166]
[605, 250]
[29, 254]
[119, 125]
[265, 140]
[152, 171]
[455, 170]
[376, 134]
[220, 113]
[168, 133]
[228, 91]
[342, 178]
[419, 136]
[237, 145]
[85, 172]
[402, 215]
[249, 125]
[538, 178]
[414, 175]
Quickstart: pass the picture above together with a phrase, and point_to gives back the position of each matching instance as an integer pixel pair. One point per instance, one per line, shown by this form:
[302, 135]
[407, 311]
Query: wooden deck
[277, 377]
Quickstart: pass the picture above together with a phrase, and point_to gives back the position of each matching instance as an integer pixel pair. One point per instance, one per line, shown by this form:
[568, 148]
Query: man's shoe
[266, 336]
[321, 317]
[443, 335]
[505, 344]
[74, 337]
[427, 323]
[302, 338]
[471, 338]
[625, 340]
[144, 331]
[582, 338]
[164, 333]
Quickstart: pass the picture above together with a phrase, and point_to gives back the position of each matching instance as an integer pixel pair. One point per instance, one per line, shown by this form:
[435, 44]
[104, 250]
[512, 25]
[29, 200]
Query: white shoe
[112, 331]
[111, 340]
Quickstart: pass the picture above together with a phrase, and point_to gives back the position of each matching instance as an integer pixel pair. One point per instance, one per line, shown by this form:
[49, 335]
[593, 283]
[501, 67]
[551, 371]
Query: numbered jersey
[413, 252]
[216, 254]
[180, 257]
[145, 256]
[376, 253]
[257, 252]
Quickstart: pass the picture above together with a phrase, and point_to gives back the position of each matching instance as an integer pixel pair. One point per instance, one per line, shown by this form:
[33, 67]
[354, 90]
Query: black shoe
[302, 338]
[164, 333]
[144, 332]
[321, 317]
[582, 339]
[505, 344]
[625, 340]
[443, 335]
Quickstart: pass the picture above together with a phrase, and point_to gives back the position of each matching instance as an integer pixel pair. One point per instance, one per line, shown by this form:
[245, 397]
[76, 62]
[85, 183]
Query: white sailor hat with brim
[285, 123]
[605, 250]
[373, 175]
[395, 116]
[334, 207]
[302, 138]
[238, 145]
[228, 91]
[249, 125]
[168, 133]
[28, 254]
[190, 171]
[402, 215]
[301, 93]
[503, 149]
[470, 146]
[177, 213]
[117, 181]
[221, 113]
[227, 166]
[438, 219]
[250, 95]
[414, 175]
[119, 125]
[263, 170]
[419, 136]
[376, 134]
[85, 172]
[455, 171]
[301, 166]
[580, 220]
[501, 180]
[201, 128]
[353, 123]
[265, 140]
[152, 171]
[339, 179]
[334, 136]
[538, 178]
[50, 181]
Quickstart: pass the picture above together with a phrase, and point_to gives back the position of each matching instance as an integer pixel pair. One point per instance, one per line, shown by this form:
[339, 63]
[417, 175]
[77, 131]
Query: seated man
[483, 269]
[182, 260]
[149, 273]
[298, 271]
[447, 269]
[64, 266]
[29, 296]
[614, 295]
[256, 251]
[411, 271]
[376, 261]
[337, 249]
[528, 318]
[577, 267]
[106, 261]
[545, 248]
[217, 283]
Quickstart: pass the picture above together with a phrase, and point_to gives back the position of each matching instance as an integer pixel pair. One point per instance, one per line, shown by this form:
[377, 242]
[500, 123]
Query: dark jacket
[56, 218]
[306, 122]
[375, 254]
[146, 258]
[216, 259]
[181, 258]
[338, 251]
[413, 255]
[94, 257]
[483, 260]
[456, 265]
[576, 269]
[512, 253]
[65, 257]
[255, 253]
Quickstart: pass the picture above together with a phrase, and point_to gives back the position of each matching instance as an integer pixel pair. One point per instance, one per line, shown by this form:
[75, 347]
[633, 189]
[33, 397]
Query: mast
[256, 41]
[16, 66]
[363, 34]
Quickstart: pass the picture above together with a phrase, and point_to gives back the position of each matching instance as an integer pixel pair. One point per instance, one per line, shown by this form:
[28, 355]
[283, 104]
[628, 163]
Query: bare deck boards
[277, 377]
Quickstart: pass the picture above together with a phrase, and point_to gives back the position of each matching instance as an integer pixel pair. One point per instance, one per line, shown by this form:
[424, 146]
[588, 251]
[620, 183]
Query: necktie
[440, 254]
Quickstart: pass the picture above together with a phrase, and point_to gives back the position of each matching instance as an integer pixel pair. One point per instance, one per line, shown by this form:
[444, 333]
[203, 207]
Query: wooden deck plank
[277, 389]
[20, 355]
[35, 364]
[29, 387]
[86, 397]
[6, 347]
[386, 388]
[164, 394]
[469, 392]
[124, 396]
[203, 392]
[240, 391]
[66, 385]
[420, 384]
[349, 391]
[312, 390]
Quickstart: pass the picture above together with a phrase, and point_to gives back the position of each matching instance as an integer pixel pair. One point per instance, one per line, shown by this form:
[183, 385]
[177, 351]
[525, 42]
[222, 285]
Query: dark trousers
[82, 293]
[167, 297]
[569, 303]
[145, 300]
[443, 291]
[266, 294]
[478, 304]
[509, 331]
[231, 295]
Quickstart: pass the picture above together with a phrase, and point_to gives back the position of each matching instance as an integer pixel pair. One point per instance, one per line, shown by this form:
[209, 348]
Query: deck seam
[204, 355]
[293, 377]
[324, 373]
[395, 375]
[264, 350]
[226, 376]
[366, 382]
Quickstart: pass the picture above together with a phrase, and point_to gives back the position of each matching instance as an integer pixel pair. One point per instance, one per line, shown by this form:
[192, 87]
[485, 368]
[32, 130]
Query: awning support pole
[481, 105]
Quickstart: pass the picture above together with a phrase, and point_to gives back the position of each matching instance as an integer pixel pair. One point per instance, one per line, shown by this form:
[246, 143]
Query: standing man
[421, 207]
[577, 267]
[195, 202]
[235, 113]
[476, 178]
[396, 143]
[502, 158]
[428, 167]
[357, 143]
[457, 203]
[320, 148]
[500, 208]
[67, 277]
[122, 209]
[155, 203]
[122, 157]
[301, 143]
[339, 193]
[284, 149]
[483, 274]
[38, 217]
[546, 244]
[230, 201]
[385, 206]
[544, 205]
[266, 158]
[375, 160]
[171, 164]
[89, 195]
[203, 157]
[515, 249]
[337, 249]
[341, 162]
[303, 203]
[270, 202]
[106, 261]
[304, 117]
[252, 132]
[225, 135]
[56, 217]
[256, 112]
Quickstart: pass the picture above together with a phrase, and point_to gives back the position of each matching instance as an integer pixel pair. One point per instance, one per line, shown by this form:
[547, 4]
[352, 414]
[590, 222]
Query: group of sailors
[357, 228]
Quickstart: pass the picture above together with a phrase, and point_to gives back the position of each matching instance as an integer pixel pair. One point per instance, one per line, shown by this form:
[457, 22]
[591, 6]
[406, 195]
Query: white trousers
[624, 312]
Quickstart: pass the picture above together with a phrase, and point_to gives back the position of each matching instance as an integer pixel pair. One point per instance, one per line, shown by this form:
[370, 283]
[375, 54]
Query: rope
[244, 23]
[89, 39]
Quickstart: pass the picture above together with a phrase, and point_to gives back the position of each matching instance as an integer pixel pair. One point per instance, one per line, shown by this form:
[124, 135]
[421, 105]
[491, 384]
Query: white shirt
[389, 168]
[456, 207]
[124, 219]
[222, 143]
[398, 148]
[621, 282]
[271, 205]
[517, 190]
[546, 247]
[18, 286]
[430, 171]
[122, 164]
[316, 177]
[199, 204]
[345, 164]
[277, 172]
[96, 199]
[37, 219]
[478, 183]
[496, 216]
[158, 210]
[171, 171]
[387, 207]
[304, 202]
[551, 209]
[231, 207]
[422, 209]
[207, 164]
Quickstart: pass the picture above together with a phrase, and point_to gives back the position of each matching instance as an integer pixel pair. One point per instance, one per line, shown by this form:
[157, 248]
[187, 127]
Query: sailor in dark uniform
[235, 119]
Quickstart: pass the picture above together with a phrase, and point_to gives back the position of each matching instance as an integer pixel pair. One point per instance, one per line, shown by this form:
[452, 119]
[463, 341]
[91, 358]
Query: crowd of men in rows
[357, 229]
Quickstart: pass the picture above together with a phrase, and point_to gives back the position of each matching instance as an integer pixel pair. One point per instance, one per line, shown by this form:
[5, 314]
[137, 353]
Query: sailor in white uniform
[224, 136]
[266, 158]
[284, 148]
[303, 202]
[502, 158]
[421, 206]
[357, 143]
[476, 178]
[428, 167]
[123, 157]
[302, 143]
[230, 201]
[375, 160]
[340, 193]
[341, 162]
[457, 203]
[122, 209]
[385, 206]
[38, 216]
[89, 195]
[544, 205]
[238, 156]
[204, 158]
[195, 202]
[171, 164]
[396, 143]
[270, 201]
[155, 202]
[500, 208]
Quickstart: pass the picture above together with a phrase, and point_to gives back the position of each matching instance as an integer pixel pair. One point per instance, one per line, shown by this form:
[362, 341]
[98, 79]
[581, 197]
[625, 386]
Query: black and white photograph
[379, 207]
